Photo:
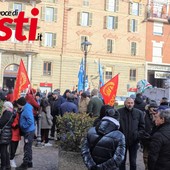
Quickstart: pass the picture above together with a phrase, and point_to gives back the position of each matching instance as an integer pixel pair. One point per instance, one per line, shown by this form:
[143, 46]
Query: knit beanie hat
[21, 101]
[8, 105]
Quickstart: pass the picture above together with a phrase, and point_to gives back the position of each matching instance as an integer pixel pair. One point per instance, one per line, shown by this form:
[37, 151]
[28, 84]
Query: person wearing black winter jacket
[159, 149]
[139, 103]
[132, 125]
[6, 134]
[104, 147]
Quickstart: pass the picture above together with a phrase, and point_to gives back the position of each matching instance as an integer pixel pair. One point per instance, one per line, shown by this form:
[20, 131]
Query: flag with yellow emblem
[22, 81]
[109, 90]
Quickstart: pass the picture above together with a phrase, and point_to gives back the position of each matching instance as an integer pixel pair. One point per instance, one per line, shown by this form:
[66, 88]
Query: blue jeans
[132, 157]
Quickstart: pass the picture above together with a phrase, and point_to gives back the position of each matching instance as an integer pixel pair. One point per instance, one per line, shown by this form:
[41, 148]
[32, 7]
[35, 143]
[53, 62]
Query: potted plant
[72, 130]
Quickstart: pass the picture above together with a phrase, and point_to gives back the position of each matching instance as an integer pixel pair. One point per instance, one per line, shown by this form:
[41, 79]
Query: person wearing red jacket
[30, 98]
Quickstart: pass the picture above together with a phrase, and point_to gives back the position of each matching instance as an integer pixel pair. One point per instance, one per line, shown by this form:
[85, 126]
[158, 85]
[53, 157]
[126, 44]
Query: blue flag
[101, 81]
[81, 76]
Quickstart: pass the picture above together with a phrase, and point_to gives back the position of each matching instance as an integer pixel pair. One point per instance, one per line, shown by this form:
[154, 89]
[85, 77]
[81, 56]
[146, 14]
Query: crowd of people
[115, 132]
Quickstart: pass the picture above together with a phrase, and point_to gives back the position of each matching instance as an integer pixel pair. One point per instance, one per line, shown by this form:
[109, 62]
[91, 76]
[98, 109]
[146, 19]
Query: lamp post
[85, 49]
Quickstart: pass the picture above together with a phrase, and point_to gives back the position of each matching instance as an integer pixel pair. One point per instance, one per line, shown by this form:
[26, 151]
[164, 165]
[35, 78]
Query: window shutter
[79, 18]
[116, 5]
[136, 26]
[130, 25]
[55, 14]
[90, 19]
[133, 48]
[54, 39]
[115, 22]
[109, 45]
[11, 6]
[105, 22]
[106, 5]
[130, 8]
[43, 13]
[140, 9]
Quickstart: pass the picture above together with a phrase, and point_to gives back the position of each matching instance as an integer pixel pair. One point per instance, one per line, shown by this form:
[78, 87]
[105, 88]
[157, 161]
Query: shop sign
[162, 75]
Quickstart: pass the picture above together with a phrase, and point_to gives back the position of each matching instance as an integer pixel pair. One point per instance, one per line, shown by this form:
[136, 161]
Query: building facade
[115, 28]
[158, 42]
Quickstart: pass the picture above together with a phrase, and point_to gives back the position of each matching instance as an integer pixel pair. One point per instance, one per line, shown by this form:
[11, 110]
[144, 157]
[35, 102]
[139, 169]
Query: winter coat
[159, 150]
[139, 104]
[94, 106]
[31, 100]
[15, 129]
[6, 133]
[27, 119]
[46, 118]
[104, 146]
[68, 106]
[132, 124]
[55, 105]
[83, 103]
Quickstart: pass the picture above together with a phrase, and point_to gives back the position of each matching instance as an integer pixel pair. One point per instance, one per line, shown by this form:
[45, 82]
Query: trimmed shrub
[72, 129]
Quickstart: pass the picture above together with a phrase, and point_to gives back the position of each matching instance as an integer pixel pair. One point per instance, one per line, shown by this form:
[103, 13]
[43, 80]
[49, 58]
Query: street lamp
[85, 49]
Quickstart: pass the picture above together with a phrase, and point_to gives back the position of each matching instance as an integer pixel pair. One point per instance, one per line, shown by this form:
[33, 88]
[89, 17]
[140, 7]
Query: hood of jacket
[107, 125]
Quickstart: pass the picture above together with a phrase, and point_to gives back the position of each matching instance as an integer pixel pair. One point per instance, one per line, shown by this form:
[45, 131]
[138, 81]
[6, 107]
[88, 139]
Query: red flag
[22, 81]
[109, 90]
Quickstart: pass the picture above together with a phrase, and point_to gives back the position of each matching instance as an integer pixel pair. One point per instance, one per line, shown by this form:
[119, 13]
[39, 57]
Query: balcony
[20, 47]
[158, 12]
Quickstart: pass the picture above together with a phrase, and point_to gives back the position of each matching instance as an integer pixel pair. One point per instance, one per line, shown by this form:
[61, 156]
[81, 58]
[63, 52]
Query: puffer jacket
[6, 134]
[104, 146]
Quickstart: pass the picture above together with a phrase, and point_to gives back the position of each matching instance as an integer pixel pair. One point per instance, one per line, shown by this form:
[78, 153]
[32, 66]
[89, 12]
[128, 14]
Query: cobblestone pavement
[46, 158]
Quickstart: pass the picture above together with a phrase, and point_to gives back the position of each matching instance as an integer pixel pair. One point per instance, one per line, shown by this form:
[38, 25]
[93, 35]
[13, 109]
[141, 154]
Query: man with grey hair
[159, 150]
[131, 125]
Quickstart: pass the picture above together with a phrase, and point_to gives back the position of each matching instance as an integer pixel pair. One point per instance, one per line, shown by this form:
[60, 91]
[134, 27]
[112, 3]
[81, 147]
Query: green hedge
[72, 129]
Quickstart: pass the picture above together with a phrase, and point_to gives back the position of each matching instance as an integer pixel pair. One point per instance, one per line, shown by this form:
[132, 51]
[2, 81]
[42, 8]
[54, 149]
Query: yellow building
[114, 27]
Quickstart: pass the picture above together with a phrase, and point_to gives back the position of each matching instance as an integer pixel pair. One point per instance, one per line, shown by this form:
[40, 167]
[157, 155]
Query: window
[157, 53]
[17, 6]
[135, 9]
[83, 38]
[108, 73]
[47, 68]
[132, 74]
[111, 22]
[50, 39]
[158, 28]
[85, 2]
[110, 44]
[13, 39]
[85, 18]
[133, 25]
[49, 14]
[133, 48]
[112, 5]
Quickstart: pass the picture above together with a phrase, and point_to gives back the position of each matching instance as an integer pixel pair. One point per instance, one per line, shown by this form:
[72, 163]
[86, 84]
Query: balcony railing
[20, 47]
